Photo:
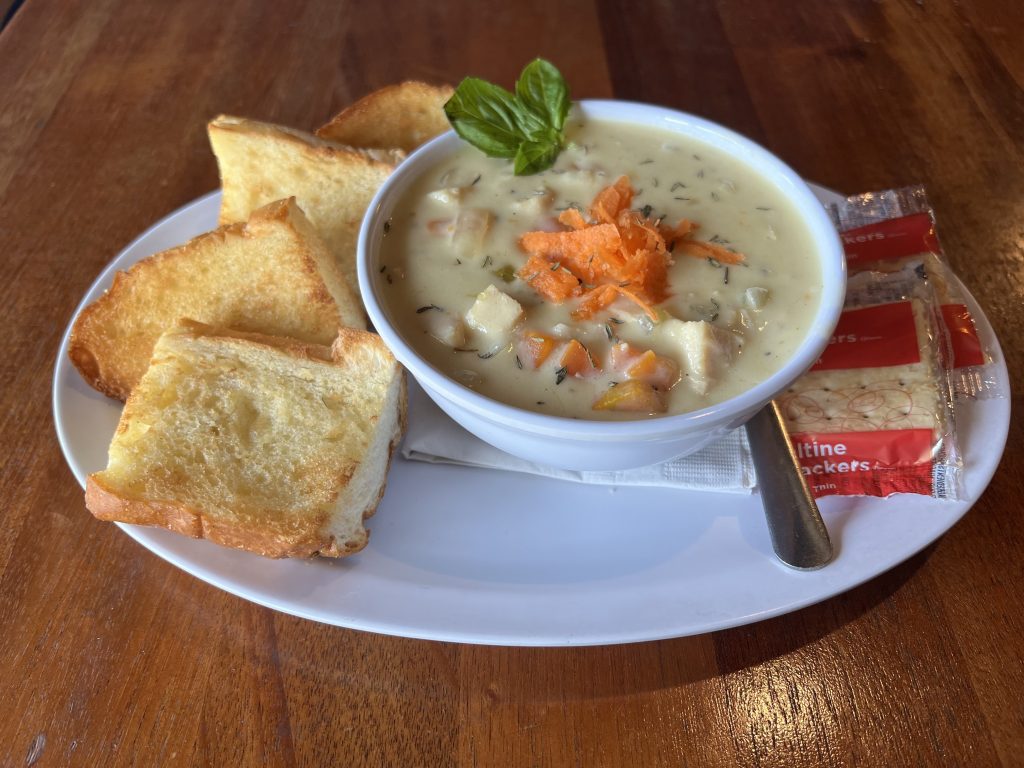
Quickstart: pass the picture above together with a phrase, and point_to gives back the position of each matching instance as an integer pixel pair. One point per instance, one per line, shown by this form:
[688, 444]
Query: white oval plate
[482, 556]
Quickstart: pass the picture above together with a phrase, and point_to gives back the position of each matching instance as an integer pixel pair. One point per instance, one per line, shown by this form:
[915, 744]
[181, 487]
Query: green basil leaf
[486, 116]
[542, 89]
[527, 126]
[535, 156]
[490, 118]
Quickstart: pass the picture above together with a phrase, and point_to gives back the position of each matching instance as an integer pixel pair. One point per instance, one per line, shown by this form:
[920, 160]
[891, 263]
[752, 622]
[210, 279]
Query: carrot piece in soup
[622, 253]
[646, 274]
[549, 279]
[577, 360]
[621, 355]
[572, 218]
[643, 365]
[638, 299]
[611, 200]
[633, 396]
[645, 255]
[704, 250]
[658, 371]
[572, 243]
[639, 233]
[582, 252]
[680, 231]
[535, 348]
[593, 301]
[603, 295]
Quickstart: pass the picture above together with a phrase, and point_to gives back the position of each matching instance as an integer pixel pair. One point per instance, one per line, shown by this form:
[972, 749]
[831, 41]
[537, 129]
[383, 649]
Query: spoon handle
[799, 535]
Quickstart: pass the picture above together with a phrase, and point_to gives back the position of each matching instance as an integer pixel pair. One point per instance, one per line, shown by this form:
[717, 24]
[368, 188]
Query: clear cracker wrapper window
[874, 416]
[883, 231]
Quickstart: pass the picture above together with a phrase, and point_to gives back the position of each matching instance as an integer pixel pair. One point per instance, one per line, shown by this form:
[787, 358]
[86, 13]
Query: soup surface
[465, 284]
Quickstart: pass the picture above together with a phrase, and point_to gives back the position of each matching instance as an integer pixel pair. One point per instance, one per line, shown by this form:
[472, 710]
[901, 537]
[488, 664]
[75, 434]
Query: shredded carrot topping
[680, 231]
[572, 218]
[611, 200]
[620, 252]
[549, 279]
[602, 296]
[704, 250]
[584, 252]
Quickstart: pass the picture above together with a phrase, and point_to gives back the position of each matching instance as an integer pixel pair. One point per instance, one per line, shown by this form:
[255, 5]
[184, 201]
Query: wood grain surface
[109, 656]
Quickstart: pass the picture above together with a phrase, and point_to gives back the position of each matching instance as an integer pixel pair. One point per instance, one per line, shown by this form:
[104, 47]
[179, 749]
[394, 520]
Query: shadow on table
[352, 666]
[748, 646]
[411, 669]
[527, 675]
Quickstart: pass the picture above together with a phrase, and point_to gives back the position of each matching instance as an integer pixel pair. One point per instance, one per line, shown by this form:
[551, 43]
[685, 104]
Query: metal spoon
[799, 536]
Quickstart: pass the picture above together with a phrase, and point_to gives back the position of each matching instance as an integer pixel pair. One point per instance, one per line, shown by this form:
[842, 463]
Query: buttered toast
[255, 442]
[333, 184]
[272, 274]
[403, 115]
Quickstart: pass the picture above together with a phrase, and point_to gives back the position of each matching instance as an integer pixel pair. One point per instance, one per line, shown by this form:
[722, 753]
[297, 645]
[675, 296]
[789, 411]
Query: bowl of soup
[660, 283]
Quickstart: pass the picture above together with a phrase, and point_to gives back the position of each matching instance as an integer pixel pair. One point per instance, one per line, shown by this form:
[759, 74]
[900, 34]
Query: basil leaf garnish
[486, 116]
[541, 88]
[527, 125]
[534, 156]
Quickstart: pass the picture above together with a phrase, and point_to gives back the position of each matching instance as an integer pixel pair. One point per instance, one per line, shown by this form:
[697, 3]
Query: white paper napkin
[432, 436]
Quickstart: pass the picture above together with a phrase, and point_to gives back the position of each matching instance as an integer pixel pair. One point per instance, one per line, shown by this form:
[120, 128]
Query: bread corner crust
[80, 350]
[300, 350]
[331, 549]
[400, 427]
[318, 146]
[358, 108]
[351, 547]
[105, 504]
[85, 363]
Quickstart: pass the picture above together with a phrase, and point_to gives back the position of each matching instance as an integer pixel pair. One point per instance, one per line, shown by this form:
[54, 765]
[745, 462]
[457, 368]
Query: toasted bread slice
[333, 184]
[272, 274]
[256, 442]
[404, 115]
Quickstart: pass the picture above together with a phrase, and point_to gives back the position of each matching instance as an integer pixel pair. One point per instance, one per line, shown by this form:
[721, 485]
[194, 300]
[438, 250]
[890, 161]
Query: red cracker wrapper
[874, 415]
[883, 231]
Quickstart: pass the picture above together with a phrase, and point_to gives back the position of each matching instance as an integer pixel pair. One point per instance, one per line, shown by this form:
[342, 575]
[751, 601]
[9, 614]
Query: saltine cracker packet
[873, 416]
[884, 231]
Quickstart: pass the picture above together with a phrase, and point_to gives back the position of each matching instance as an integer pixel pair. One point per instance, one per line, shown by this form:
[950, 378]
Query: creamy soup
[465, 284]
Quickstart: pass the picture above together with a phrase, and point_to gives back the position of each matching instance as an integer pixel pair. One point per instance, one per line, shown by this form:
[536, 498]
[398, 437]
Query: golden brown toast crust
[269, 536]
[404, 115]
[313, 148]
[106, 504]
[111, 340]
[334, 184]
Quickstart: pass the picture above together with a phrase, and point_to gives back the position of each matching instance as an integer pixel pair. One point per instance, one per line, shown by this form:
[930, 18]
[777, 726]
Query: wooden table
[110, 656]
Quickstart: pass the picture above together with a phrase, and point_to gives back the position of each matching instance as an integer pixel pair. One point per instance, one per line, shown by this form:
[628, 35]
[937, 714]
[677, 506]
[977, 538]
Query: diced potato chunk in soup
[721, 281]
[494, 314]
